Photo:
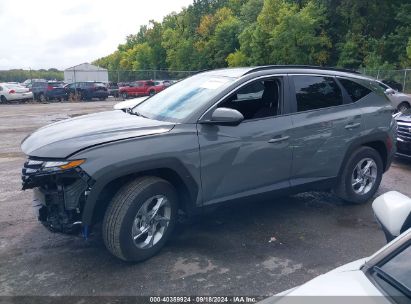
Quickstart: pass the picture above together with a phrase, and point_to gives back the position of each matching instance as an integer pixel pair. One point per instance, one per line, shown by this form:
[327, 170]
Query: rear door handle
[278, 139]
[352, 126]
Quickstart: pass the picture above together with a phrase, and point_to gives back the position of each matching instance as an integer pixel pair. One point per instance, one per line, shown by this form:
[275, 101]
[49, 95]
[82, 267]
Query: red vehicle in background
[142, 88]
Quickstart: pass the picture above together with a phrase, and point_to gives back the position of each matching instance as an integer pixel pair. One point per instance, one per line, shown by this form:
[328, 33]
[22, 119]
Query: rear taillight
[12, 91]
[49, 88]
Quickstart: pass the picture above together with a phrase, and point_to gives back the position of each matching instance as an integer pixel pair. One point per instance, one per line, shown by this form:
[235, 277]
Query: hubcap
[364, 176]
[151, 222]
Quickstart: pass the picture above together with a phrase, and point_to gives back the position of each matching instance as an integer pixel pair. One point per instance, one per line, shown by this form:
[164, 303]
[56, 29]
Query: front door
[253, 157]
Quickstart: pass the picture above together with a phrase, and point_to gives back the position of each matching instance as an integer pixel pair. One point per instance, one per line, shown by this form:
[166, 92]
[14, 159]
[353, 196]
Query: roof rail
[269, 67]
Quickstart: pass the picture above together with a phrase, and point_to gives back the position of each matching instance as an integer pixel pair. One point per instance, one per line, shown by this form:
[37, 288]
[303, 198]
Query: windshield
[183, 98]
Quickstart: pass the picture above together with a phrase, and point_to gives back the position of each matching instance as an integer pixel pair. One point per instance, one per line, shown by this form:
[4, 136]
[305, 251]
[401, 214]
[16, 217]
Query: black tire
[152, 92]
[344, 188]
[403, 106]
[3, 99]
[42, 97]
[102, 98]
[124, 95]
[121, 212]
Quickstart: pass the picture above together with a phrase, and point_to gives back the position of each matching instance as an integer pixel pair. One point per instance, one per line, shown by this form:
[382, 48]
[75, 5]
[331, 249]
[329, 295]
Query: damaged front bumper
[59, 197]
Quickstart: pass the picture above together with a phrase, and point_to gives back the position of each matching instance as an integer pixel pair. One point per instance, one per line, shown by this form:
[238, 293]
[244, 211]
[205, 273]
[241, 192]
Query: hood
[347, 280]
[60, 139]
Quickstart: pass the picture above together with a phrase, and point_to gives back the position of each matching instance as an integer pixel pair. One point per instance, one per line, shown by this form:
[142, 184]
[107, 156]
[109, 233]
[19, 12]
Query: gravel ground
[244, 249]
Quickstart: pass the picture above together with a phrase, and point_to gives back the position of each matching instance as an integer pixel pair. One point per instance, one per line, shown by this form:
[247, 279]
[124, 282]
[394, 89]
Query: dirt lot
[227, 252]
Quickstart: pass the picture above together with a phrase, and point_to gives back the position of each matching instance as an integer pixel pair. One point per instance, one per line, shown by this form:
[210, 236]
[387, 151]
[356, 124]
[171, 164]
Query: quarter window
[354, 89]
[316, 92]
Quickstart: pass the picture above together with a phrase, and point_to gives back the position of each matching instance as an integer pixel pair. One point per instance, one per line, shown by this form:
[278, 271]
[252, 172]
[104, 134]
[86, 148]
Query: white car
[400, 101]
[129, 104]
[385, 277]
[12, 92]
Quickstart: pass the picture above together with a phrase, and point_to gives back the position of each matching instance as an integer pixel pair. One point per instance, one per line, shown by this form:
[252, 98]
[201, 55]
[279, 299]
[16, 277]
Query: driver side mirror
[225, 117]
[390, 91]
[393, 212]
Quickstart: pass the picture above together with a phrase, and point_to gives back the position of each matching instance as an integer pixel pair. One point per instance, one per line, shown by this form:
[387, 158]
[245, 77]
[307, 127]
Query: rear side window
[354, 89]
[316, 92]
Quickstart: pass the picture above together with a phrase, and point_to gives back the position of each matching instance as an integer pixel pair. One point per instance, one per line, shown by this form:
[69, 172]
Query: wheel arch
[104, 189]
[376, 141]
[404, 102]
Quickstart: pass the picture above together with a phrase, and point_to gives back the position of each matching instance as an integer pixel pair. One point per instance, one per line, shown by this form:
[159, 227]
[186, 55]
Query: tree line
[20, 75]
[371, 34]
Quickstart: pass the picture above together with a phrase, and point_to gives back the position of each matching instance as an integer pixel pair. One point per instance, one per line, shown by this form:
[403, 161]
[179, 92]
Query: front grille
[404, 131]
[30, 168]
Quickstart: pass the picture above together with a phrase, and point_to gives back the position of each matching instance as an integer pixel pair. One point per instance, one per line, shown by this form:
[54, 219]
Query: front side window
[179, 101]
[258, 99]
[316, 92]
[355, 90]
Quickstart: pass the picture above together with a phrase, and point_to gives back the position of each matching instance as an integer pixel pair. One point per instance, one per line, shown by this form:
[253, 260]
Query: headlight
[61, 165]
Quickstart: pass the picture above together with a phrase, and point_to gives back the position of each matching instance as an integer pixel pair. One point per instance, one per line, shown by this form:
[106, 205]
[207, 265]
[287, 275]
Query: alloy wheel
[364, 176]
[151, 222]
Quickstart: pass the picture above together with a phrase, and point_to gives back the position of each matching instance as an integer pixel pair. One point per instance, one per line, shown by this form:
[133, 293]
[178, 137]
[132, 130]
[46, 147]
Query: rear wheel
[124, 95]
[403, 107]
[152, 92]
[140, 218]
[361, 176]
[3, 99]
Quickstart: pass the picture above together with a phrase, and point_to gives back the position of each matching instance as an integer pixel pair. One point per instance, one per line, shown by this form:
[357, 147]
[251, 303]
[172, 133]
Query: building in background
[85, 72]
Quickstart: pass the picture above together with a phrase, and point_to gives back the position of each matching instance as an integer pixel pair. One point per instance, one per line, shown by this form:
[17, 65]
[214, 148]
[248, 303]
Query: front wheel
[361, 176]
[152, 92]
[140, 218]
[124, 95]
[3, 99]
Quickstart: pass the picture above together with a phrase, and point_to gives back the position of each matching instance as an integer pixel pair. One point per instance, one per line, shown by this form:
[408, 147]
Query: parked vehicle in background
[13, 92]
[87, 90]
[141, 88]
[217, 136]
[393, 84]
[113, 89]
[400, 101]
[386, 275]
[128, 104]
[404, 133]
[51, 90]
[28, 82]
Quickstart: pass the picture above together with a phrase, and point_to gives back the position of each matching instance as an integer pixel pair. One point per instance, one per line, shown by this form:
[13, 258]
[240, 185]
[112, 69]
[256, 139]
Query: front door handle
[352, 126]
[278, 139]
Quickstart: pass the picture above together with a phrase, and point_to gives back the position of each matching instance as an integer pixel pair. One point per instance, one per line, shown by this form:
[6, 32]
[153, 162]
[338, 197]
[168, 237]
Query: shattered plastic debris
[272, 239]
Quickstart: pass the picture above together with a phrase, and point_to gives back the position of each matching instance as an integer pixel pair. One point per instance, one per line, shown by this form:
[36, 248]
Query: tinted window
[316, 92]
[399, 267]
[258, 99]
[354, 89]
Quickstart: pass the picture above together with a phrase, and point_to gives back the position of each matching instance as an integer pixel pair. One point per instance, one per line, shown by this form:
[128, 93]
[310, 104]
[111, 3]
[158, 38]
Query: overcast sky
[59, 34]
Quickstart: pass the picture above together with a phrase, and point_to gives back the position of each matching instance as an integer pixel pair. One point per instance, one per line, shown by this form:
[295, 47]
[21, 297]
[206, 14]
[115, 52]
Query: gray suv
[218, 136]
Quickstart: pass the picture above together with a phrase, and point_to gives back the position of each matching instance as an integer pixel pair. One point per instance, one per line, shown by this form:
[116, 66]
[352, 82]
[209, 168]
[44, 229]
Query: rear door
[324, 123]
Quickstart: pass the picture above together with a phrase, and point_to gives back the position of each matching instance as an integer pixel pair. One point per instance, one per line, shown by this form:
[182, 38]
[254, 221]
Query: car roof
[286, 69]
